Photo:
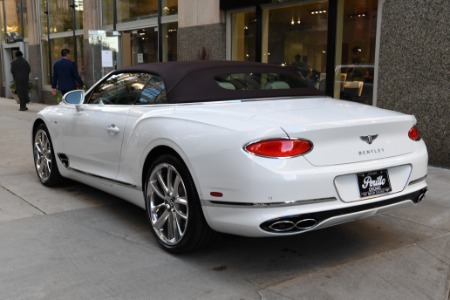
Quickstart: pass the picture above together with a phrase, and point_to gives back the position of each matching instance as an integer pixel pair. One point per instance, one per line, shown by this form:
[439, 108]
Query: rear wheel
[173, 207]
[44, 157]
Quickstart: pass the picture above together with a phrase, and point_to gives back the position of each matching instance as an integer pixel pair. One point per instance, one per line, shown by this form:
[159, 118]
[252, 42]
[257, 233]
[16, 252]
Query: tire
[173, 207]
[44, 158]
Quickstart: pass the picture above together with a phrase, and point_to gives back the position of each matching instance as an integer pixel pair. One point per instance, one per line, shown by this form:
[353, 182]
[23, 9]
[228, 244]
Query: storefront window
[107, 12]
[169, 7]
[44, 19]
[355, 50]
[61, 18]
[128, 10]
[60, 14]
[139, 46]
[243, 36]
[142, 45]
[57, 45]
[293, 35]
[297, 36]
[169, 40]
[13, 18]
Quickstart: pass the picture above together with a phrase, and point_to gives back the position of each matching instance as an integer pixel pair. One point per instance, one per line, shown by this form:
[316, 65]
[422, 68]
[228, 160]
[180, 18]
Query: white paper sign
[140, 58]
[107, 59]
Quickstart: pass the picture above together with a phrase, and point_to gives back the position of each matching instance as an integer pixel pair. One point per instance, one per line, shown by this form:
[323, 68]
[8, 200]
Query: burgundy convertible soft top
[196, 81]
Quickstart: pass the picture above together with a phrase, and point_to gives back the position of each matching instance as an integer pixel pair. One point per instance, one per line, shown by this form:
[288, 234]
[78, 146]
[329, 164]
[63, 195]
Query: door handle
[113, 129]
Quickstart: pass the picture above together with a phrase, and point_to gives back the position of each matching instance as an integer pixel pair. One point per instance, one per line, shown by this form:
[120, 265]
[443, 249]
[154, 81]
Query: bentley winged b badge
[369, 138]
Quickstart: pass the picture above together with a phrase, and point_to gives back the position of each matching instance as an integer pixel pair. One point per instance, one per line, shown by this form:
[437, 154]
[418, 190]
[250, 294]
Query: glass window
[15, 13]
[44, 23]
[297, 36]
[57, 46]
[107, 12]
[128, 10]
[169, 7]
[294, 35]
[261, 81]
[243, 36]
[139, 46]
[61, 15]
[145, 45]
[119, 89]
[355, 50]
[46, 64]
[154, 92]
[169, 39]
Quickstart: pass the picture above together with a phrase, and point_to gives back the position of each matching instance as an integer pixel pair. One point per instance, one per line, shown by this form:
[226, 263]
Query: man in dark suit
[65, 74]
[20, 70]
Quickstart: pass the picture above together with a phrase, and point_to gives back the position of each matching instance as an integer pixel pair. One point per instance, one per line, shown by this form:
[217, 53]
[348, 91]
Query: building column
[201, 30]
[92, 51]
[34, 49]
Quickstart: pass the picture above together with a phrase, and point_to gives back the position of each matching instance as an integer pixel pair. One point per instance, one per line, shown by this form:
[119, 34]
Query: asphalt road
[75, 242]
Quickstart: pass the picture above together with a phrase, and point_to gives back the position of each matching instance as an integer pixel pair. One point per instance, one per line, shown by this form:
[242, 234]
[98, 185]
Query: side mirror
[74, 97]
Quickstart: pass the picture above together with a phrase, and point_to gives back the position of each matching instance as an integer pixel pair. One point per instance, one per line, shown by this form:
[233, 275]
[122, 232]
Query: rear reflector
[280, 147]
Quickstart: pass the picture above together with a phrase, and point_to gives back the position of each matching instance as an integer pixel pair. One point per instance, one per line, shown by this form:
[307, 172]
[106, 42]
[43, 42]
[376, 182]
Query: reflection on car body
[242, 148]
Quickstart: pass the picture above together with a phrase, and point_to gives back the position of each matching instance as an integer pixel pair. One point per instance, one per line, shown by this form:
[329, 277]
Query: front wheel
[173, 207]
[44, 157]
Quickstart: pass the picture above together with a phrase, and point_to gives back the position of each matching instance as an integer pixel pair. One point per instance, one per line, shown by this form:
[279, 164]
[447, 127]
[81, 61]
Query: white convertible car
[234, 147]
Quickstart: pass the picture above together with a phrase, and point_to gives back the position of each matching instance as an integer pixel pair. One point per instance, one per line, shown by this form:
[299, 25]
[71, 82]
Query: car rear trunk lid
[344, 133]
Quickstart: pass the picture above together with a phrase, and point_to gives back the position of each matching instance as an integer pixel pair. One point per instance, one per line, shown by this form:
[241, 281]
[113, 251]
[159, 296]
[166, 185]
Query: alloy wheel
[43, 155]
[168, 199]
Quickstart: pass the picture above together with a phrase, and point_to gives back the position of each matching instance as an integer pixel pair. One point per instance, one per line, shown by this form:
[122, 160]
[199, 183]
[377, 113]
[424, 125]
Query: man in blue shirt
[65, 74]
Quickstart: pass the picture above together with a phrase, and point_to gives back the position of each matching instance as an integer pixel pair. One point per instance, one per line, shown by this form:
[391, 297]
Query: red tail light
[280, 147]
[414, 133]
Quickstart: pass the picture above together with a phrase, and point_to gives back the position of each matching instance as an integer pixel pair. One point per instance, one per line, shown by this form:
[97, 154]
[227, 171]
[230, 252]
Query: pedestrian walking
[20, 70]
[65, 74]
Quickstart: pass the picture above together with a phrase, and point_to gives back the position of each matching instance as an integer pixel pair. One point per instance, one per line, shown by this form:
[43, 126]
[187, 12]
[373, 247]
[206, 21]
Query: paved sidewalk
[75, 242]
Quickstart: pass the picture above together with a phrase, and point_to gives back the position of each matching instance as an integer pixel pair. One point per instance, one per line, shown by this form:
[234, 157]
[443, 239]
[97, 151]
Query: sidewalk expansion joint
[24, 200]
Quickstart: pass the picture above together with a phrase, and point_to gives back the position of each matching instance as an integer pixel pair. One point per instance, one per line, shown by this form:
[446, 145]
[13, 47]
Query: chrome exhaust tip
[290, 225]
[282, 226]
[306, 224]
[421, 196]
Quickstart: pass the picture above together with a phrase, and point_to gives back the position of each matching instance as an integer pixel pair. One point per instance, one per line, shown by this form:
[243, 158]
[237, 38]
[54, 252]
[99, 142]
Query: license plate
[374, 183]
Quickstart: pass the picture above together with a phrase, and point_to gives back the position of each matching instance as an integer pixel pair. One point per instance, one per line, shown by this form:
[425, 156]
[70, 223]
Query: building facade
[389, 53]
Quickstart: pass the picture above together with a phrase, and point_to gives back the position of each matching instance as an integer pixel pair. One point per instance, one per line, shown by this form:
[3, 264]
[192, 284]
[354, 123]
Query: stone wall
[414, 74]
[202, 42]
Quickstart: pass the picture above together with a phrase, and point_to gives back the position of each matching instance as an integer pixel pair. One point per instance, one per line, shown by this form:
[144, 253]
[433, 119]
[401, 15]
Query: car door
[93, 134]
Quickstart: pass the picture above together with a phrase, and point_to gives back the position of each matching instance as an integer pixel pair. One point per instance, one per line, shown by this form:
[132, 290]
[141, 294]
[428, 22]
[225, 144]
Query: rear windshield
[260, 81]
[241, 82]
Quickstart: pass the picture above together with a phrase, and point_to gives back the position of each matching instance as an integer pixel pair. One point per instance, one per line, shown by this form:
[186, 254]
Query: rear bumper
[310, 221]
[265, 191]
[263, 221]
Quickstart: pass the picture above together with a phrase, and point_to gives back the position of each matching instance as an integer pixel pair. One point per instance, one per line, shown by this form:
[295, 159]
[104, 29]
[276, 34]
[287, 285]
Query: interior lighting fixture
[358, 15]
